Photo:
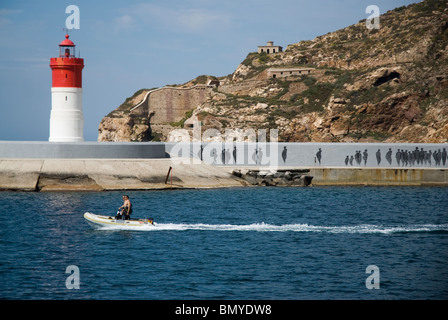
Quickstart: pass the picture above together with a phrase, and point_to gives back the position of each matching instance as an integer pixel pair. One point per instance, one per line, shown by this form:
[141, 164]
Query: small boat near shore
[96, 220]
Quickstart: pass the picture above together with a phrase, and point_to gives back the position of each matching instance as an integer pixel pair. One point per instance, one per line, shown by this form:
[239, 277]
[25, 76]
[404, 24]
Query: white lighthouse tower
[66, 119]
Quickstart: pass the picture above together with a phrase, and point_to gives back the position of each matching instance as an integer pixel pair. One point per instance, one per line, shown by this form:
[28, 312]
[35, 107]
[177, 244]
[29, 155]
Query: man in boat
[126, 209]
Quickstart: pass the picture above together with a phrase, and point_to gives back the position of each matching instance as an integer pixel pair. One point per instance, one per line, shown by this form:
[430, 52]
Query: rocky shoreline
[298, 178]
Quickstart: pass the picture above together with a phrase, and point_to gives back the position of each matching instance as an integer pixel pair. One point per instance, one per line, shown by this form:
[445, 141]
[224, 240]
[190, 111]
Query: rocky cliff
[355, 84]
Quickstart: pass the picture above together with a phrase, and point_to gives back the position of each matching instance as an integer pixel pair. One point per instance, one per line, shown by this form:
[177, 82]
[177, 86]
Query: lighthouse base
[66, 119]
[66, 139]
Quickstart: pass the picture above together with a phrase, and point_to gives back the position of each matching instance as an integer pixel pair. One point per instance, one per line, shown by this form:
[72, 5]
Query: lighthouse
[66, 119]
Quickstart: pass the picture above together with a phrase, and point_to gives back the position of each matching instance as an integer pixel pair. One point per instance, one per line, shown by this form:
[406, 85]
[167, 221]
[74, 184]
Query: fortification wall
[169, 104]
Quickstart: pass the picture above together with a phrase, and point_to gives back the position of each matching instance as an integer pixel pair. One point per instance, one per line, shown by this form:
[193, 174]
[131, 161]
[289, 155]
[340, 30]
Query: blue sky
[129, 45]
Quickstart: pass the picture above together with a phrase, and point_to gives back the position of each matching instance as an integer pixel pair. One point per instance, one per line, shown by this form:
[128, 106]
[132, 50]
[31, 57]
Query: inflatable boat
[96, 220]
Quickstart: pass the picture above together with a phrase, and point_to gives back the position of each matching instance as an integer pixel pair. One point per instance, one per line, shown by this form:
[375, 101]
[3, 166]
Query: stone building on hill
[286, 72]
[270, 48]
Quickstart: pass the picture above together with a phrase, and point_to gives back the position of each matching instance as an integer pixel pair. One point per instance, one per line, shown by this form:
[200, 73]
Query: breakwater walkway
[45, 166]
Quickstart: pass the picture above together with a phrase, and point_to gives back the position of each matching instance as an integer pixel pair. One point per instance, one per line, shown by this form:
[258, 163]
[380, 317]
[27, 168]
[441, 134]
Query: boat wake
[265, 227]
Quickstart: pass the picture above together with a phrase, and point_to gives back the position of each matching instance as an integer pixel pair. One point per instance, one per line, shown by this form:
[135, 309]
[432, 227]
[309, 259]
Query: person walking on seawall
[126, 209]
[318, 156]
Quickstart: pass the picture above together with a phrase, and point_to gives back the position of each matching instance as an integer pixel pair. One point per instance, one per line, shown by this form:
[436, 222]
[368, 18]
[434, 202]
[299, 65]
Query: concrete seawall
[109, 174]
[150, 174]
[340, 176]
[379, 177]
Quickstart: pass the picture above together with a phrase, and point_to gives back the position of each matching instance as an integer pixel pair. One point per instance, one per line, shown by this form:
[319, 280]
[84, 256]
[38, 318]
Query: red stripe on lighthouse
[67, 72]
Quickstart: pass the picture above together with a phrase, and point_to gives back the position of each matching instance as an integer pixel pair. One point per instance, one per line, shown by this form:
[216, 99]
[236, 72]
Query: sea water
[236, 243]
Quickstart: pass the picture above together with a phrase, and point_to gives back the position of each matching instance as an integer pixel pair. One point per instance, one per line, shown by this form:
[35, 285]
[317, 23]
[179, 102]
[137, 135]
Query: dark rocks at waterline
[286, 178]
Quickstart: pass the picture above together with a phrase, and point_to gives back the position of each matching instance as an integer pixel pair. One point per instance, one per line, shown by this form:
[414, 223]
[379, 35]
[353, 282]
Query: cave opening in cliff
[386, 78]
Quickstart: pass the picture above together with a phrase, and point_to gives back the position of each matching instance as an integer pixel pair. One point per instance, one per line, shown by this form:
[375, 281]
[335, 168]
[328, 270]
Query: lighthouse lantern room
[66, 119]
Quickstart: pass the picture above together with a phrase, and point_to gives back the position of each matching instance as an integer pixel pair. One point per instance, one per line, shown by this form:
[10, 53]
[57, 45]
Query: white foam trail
[264, 227]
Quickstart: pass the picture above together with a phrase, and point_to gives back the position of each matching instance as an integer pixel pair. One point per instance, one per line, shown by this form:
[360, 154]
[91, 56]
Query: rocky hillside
[358, 84]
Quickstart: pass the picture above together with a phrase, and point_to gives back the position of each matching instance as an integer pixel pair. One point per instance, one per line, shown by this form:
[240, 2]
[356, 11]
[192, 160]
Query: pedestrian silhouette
[319, 155]
[214, 155]
[223, 156]
[389, 156]
[255, 155]
[358, 157]
[234, 154]
[201, 151]
[398, 157]
[378, 156]
[227, 156]
[284, 154]
[260, 155]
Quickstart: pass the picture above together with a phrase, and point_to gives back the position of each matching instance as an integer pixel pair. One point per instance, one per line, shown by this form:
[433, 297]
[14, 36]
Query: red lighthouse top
[67, 42]
[67, 48]
[67, 69]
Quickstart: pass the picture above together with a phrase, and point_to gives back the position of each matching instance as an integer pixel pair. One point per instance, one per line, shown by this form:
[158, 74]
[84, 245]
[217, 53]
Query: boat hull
[96, 220]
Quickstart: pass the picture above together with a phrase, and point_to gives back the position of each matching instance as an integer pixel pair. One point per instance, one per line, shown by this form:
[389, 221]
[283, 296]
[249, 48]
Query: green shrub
[263, 57]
